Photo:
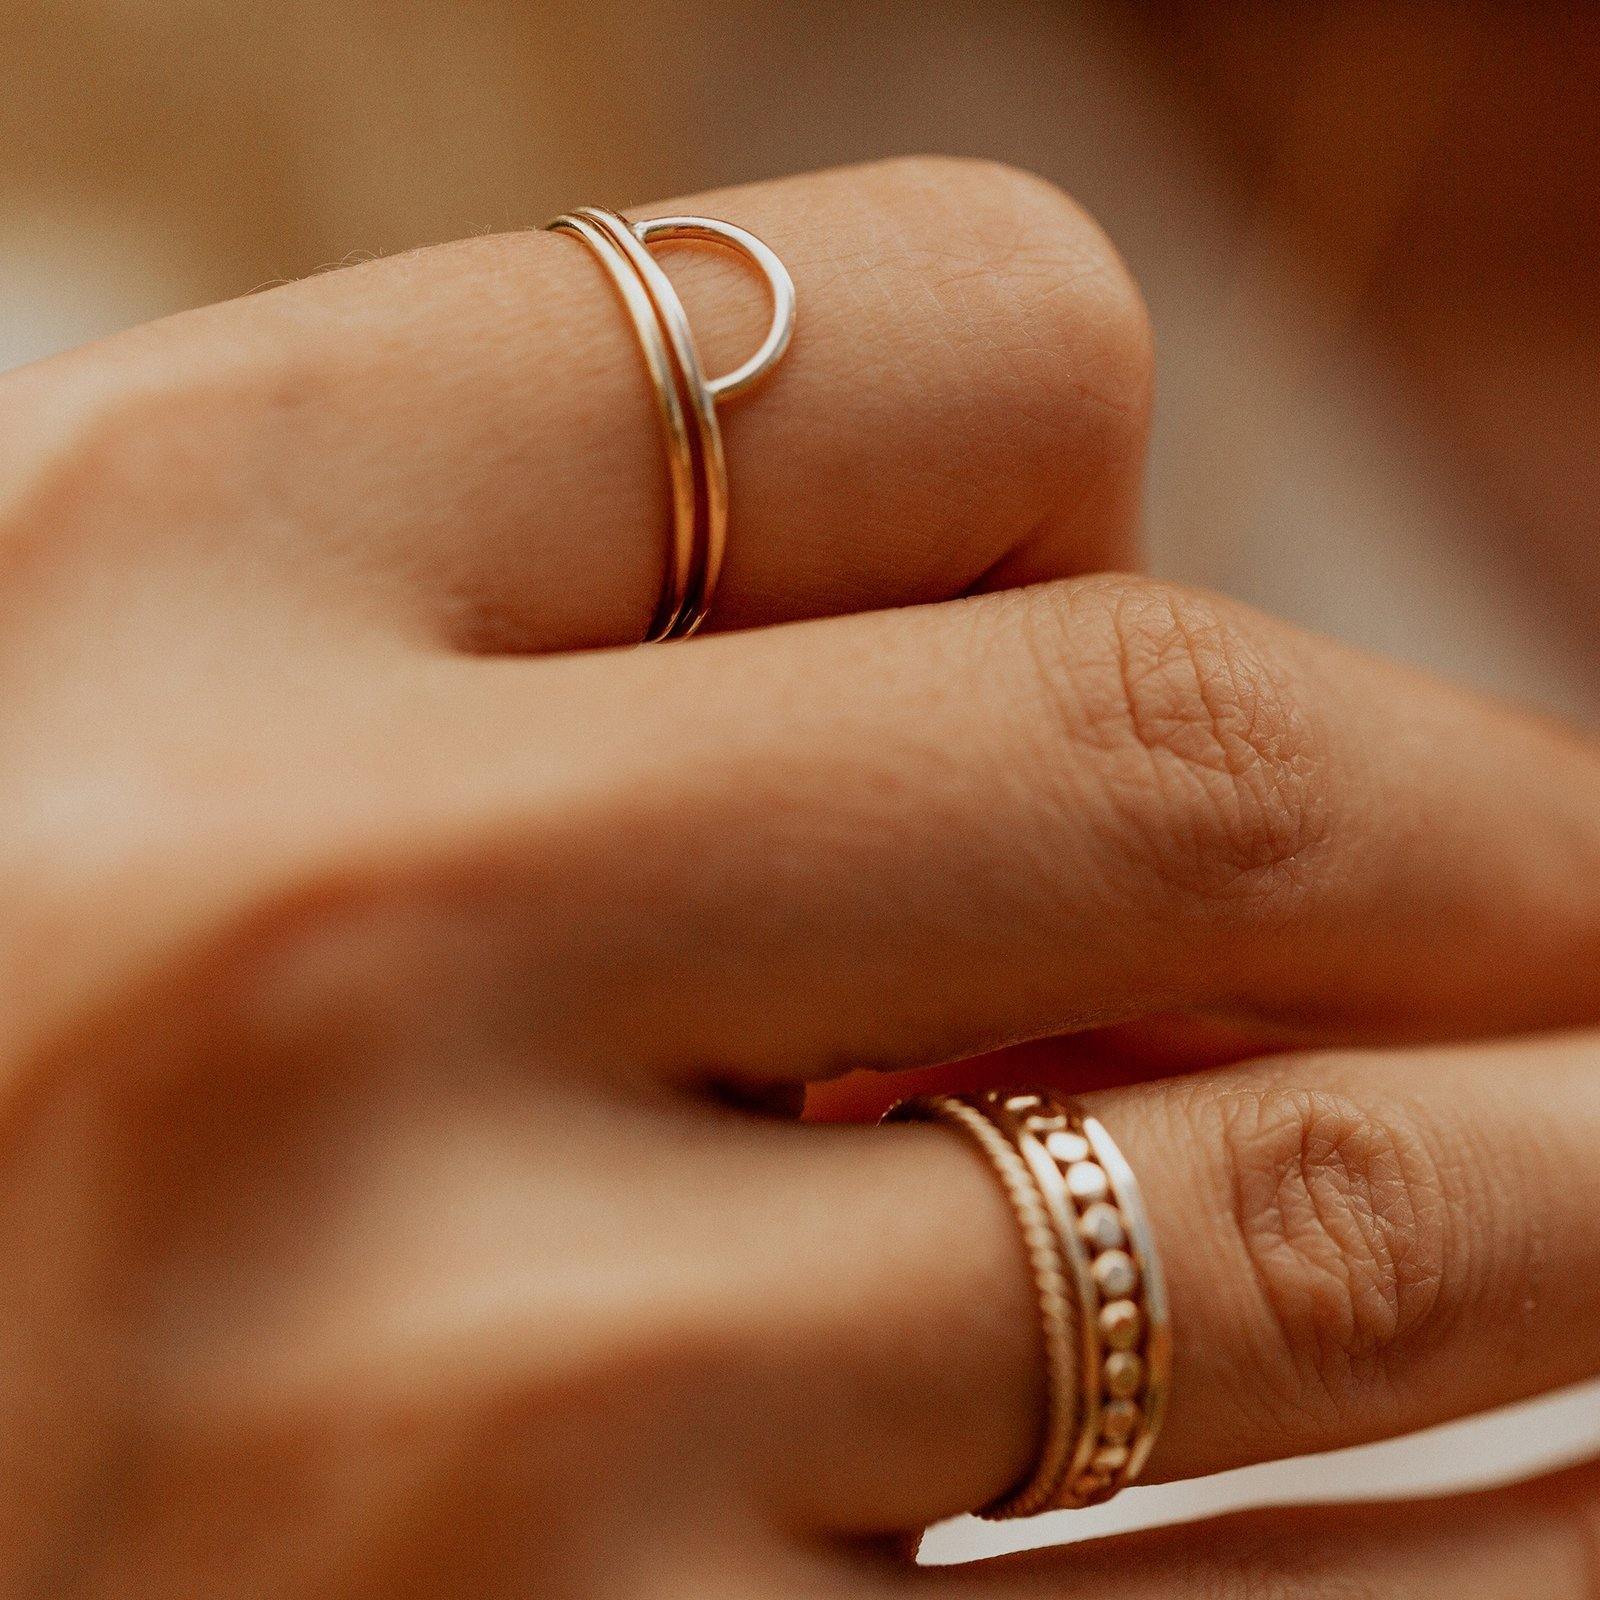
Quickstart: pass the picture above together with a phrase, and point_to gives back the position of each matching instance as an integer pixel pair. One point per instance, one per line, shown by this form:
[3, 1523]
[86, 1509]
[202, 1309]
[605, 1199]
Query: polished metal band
[686, 399]
[1050, 1282]
[1101, 1298]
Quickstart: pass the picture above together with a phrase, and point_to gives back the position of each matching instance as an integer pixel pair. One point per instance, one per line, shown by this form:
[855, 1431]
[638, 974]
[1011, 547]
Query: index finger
[465, 438]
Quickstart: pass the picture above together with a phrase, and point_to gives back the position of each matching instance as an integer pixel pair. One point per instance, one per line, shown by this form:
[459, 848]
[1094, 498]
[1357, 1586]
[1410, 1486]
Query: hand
[374, 1221]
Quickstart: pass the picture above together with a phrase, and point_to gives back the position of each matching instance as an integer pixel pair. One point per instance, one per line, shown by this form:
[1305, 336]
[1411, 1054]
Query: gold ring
[1108, 1337]
[685, 398]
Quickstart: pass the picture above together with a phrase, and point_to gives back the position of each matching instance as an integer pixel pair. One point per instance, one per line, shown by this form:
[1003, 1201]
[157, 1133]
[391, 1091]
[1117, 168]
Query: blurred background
[1369, 234]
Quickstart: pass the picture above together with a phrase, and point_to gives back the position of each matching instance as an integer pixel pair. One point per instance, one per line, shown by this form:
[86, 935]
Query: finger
[897, 839]
[1354, 1248]
[833, 1322]
[464, 438]
[883, 841]
[1535, 1539]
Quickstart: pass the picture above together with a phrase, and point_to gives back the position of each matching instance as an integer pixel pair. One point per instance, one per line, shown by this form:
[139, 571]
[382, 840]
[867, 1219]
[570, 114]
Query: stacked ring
[686, 399]
[1057, 1322]
[1107, 1338]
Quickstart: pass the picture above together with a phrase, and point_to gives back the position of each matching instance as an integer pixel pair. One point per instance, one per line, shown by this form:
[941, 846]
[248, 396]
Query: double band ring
[686, 399]
[1102, 1305]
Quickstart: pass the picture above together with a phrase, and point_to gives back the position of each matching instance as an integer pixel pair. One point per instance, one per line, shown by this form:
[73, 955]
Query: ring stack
[1102, 1304]
[686, 400]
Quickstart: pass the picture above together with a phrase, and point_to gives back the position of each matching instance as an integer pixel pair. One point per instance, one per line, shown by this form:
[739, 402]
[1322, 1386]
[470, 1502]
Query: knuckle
[1043, 289]
[1342, 1212]
[1043, 231]
[1066, 281]
[113, 447]
[1071, 283]
[129, 443]
[1208, 767]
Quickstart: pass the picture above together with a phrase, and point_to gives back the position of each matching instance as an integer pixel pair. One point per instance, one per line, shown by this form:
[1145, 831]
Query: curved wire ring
[686, 398]
[710, 231]
[712, 522]
[674, 420]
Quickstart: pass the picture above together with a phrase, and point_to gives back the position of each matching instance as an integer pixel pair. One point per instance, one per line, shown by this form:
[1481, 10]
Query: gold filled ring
[1107, 1384]
[1042, 1246]
[686, 398]
[674, 421]
[779, 284]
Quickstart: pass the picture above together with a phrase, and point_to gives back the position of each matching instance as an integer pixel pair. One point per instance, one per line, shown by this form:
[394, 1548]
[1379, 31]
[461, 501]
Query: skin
[383, 956]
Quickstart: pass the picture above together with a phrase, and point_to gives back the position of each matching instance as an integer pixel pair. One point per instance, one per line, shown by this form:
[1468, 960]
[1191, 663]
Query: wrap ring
[686, 399]
[1104, 1323]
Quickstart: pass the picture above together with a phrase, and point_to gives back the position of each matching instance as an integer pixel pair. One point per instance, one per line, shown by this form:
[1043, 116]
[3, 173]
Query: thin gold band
[686, 399]
[1041, 1243]
[1102, 1301]
[711, 526]
[681, 464]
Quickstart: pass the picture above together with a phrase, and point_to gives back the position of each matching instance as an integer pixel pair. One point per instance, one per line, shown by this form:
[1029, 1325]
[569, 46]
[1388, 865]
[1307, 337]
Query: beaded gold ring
[1102, 1301]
